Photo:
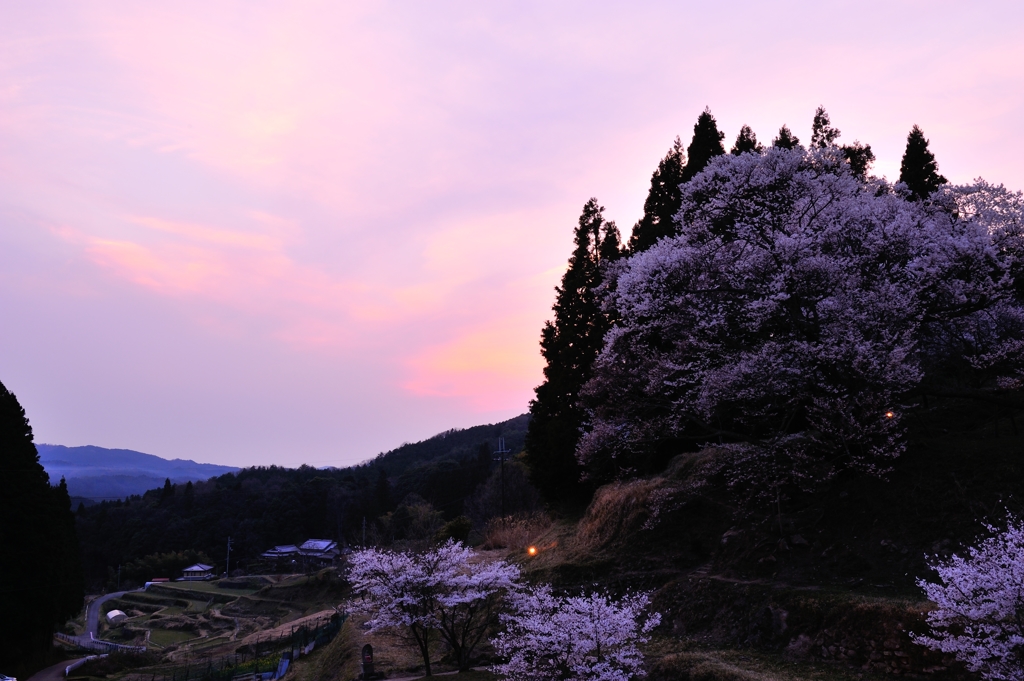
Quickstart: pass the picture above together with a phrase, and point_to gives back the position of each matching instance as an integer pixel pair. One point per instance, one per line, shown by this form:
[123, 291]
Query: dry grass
[515, 533]
[616, 514]
[339, 661]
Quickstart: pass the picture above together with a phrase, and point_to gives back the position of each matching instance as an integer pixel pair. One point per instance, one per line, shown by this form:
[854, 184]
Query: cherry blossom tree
[798, 315]
[980, 606]
[585, 638]
[445, 593]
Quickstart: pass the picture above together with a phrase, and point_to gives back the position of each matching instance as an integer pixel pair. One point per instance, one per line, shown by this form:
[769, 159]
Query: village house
[313, 554]
[197, 572]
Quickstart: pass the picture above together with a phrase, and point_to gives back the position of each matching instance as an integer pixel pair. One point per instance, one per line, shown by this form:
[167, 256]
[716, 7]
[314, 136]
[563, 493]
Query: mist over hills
[97, 473]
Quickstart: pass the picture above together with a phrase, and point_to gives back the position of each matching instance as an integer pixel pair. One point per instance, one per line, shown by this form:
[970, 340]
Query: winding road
[92, 615]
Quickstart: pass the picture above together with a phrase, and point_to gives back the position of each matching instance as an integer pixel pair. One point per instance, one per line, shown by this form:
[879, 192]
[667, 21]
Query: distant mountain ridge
[98, 473]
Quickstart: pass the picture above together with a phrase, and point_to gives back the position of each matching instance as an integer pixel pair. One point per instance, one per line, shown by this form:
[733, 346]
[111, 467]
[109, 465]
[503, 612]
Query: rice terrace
[528, 342]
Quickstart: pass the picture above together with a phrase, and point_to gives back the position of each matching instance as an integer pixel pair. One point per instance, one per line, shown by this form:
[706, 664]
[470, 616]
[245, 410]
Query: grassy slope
[826, 577]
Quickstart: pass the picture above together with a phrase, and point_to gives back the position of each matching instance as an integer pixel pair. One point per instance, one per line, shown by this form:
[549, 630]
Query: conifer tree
[705, 145]
[823, 133]
[570, 343]
[860, 157]
[918, 168]
[786, 139]
[662, 201]
[745, 142]
[40, 574]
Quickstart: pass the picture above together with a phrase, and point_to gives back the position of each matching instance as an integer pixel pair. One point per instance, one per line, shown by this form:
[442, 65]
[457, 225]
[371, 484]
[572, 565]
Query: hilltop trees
[40, 575]
[662, 202]
[786, 139]
[980, 601]
[823, 133]
[705, 145]
[569, 344]
[918, 169]
[746, 141]
[793, 315]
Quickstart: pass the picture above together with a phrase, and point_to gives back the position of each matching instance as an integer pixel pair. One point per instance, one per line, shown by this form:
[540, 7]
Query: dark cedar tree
[662, 201]
[746, 141]
[570, 344]
[918, 168]
[705, 145]
[41, 582]
[823, 133]
[786, 139]
[860, 157]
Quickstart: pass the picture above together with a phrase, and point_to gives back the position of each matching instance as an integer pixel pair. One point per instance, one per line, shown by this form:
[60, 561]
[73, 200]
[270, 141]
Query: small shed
[116, 616]
[199, 571]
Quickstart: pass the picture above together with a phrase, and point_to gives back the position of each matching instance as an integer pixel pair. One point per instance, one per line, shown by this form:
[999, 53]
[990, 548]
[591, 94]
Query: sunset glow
[255, 233]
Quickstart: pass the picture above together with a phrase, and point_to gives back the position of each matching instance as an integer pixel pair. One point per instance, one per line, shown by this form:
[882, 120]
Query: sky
[256, 233]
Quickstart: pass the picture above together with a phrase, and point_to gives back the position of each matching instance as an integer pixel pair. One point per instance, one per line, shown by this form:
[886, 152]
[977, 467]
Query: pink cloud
[384, 195]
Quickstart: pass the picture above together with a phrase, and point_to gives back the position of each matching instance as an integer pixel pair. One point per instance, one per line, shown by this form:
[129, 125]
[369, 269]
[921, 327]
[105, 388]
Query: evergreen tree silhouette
[746, 141]
[786, 139]
[570, 344]
[823, 133]
[918, 168]
[860, 157]
[705, 145]
[41, 582]
[662, 201]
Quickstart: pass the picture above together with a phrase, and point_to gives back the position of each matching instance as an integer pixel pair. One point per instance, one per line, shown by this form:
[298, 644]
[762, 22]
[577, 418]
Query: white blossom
[980, 606]
[585, 638]
[445, 592]
[797, 312]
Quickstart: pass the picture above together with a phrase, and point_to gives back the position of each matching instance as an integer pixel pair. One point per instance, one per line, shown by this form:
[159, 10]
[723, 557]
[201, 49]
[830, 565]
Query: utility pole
[364, 531]
[118, 577]
[228, 569]
[502, 451]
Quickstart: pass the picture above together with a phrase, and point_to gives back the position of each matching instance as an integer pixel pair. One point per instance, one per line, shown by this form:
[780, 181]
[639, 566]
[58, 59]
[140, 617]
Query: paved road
[92, 615]
[54, 673]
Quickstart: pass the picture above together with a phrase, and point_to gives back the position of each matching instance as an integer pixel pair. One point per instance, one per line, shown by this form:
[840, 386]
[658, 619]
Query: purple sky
[254, 233]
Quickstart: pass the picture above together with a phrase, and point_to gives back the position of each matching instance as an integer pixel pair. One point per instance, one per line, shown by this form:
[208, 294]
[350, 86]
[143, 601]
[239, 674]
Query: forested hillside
[795, 388]
[408, 490]
[96, 473]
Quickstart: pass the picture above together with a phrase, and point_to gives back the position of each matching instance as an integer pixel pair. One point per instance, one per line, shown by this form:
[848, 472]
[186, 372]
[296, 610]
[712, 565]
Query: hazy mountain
[98, 473]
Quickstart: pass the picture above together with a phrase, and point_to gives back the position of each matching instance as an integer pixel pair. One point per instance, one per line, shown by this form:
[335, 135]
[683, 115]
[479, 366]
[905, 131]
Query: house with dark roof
[197, 573]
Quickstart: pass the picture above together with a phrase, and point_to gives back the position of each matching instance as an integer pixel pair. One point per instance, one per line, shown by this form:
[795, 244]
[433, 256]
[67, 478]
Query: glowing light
[889, 415]
[532, 550]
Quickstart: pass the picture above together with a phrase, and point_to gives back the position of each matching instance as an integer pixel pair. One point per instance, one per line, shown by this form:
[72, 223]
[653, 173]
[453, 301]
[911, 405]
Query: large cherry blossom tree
[798, 315]
[445, 593]
[578, 638]
[980, 606]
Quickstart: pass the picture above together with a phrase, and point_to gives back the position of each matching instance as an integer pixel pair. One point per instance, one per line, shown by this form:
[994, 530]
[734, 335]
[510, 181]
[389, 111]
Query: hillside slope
[98, 473]
[829, 575]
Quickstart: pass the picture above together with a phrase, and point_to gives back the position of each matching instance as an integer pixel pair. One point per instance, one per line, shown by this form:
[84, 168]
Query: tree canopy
[786, 139]
[569, 344]
[662, 202]
[705, 145]
[746, 141]
[40, 576]
[918, 169]
[795, 316]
